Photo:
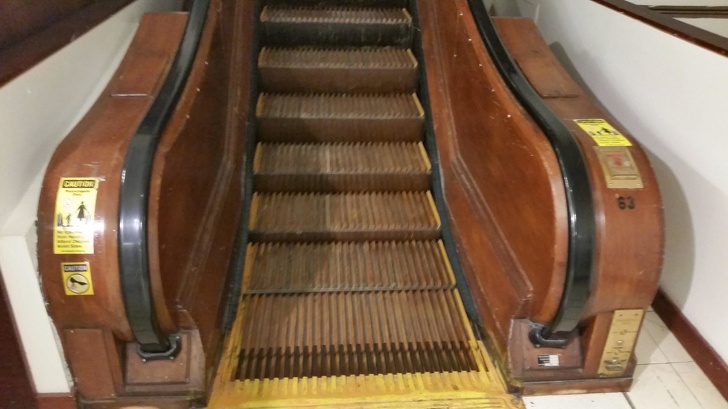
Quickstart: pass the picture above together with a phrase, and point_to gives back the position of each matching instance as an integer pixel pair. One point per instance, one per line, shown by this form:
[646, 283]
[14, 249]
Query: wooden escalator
[346, 203]
[348, 298]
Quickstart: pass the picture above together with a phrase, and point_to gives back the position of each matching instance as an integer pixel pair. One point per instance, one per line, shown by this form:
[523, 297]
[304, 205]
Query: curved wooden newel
[506, 198]
[194, 204]
[94, 149]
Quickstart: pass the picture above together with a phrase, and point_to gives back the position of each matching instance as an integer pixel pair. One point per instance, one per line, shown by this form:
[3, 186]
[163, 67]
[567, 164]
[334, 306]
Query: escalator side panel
[501, 176]
[195, 193]
[91, 150]
[501, 161]
[631, 236]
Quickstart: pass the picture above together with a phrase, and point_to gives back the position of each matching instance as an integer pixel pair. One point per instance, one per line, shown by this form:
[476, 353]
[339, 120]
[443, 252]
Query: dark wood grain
[16, 390]
[630, 242]
[31, 31]
[502, 181]
[20, 19]
[194, 203]
[195, 188]
[95, 149]
[506, 200]
[56, 401]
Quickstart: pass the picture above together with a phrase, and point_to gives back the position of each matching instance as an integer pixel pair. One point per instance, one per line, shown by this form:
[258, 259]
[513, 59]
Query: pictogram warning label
[602, 133]
[77, 278]
[73, 231]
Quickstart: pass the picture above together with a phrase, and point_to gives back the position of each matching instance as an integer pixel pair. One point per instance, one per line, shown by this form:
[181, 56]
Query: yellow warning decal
[602, 133]
[73, 231]
[77, 278]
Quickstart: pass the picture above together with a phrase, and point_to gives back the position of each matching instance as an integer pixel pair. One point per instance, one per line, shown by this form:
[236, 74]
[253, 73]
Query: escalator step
[368, 70]
[339, 118]
[366, 333]
[341, 167]
[336, 26]
[339, 3]
[347, 266]
[346, 217]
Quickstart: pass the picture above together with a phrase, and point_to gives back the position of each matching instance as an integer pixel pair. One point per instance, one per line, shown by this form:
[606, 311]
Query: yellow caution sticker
[77, 278]
[602, 133]
[73, 231]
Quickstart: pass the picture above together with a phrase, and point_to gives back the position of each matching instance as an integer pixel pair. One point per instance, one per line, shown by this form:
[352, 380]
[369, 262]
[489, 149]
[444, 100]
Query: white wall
[672, 96]
[37, 110]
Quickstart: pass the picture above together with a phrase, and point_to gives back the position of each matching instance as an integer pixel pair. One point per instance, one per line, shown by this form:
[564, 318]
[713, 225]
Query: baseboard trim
[704, 355]
[56, 401]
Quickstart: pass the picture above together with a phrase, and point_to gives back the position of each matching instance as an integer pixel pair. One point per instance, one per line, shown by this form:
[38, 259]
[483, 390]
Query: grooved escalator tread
[341, 167]
[347, 266]
[349, 216]
[321, 70]
[339, 3]
[347, 295]
[335, 15]
[339, 118]
[336, 26]
[339, 334]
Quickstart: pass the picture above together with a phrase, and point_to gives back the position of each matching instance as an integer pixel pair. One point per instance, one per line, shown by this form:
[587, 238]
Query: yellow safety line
[407, 14]
[408, 390]
[412, 57]
[425, 158]
[253, 211]
[248, 269]
[233, 342]
[258, 157]
[419, 105]
[261, 100]
[434, 209]
[446, 259]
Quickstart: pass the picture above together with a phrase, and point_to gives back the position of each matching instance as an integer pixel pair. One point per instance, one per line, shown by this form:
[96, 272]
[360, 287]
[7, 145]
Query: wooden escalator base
[348, 298]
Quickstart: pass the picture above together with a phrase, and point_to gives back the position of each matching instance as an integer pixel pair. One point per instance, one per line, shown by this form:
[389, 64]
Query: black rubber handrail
[582, 230]
[134, 196]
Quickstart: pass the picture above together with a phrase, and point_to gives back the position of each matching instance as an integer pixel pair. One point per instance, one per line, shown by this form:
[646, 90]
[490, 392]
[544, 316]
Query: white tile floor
[666, 378]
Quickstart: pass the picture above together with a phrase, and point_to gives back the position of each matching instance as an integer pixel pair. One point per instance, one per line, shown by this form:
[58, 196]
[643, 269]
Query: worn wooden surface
[194, 203]
[631, 240]
[502, 182]
[95, 149]
[16, 389]
[194, 200]
[506, 199]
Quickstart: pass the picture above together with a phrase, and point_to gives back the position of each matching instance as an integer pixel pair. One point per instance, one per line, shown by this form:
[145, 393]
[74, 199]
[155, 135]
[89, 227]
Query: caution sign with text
[602, 133]
[77, 278]
[73, 231]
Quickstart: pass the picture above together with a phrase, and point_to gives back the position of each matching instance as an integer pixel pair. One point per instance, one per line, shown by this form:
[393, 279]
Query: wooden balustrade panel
[502, 181]
[195, 195]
